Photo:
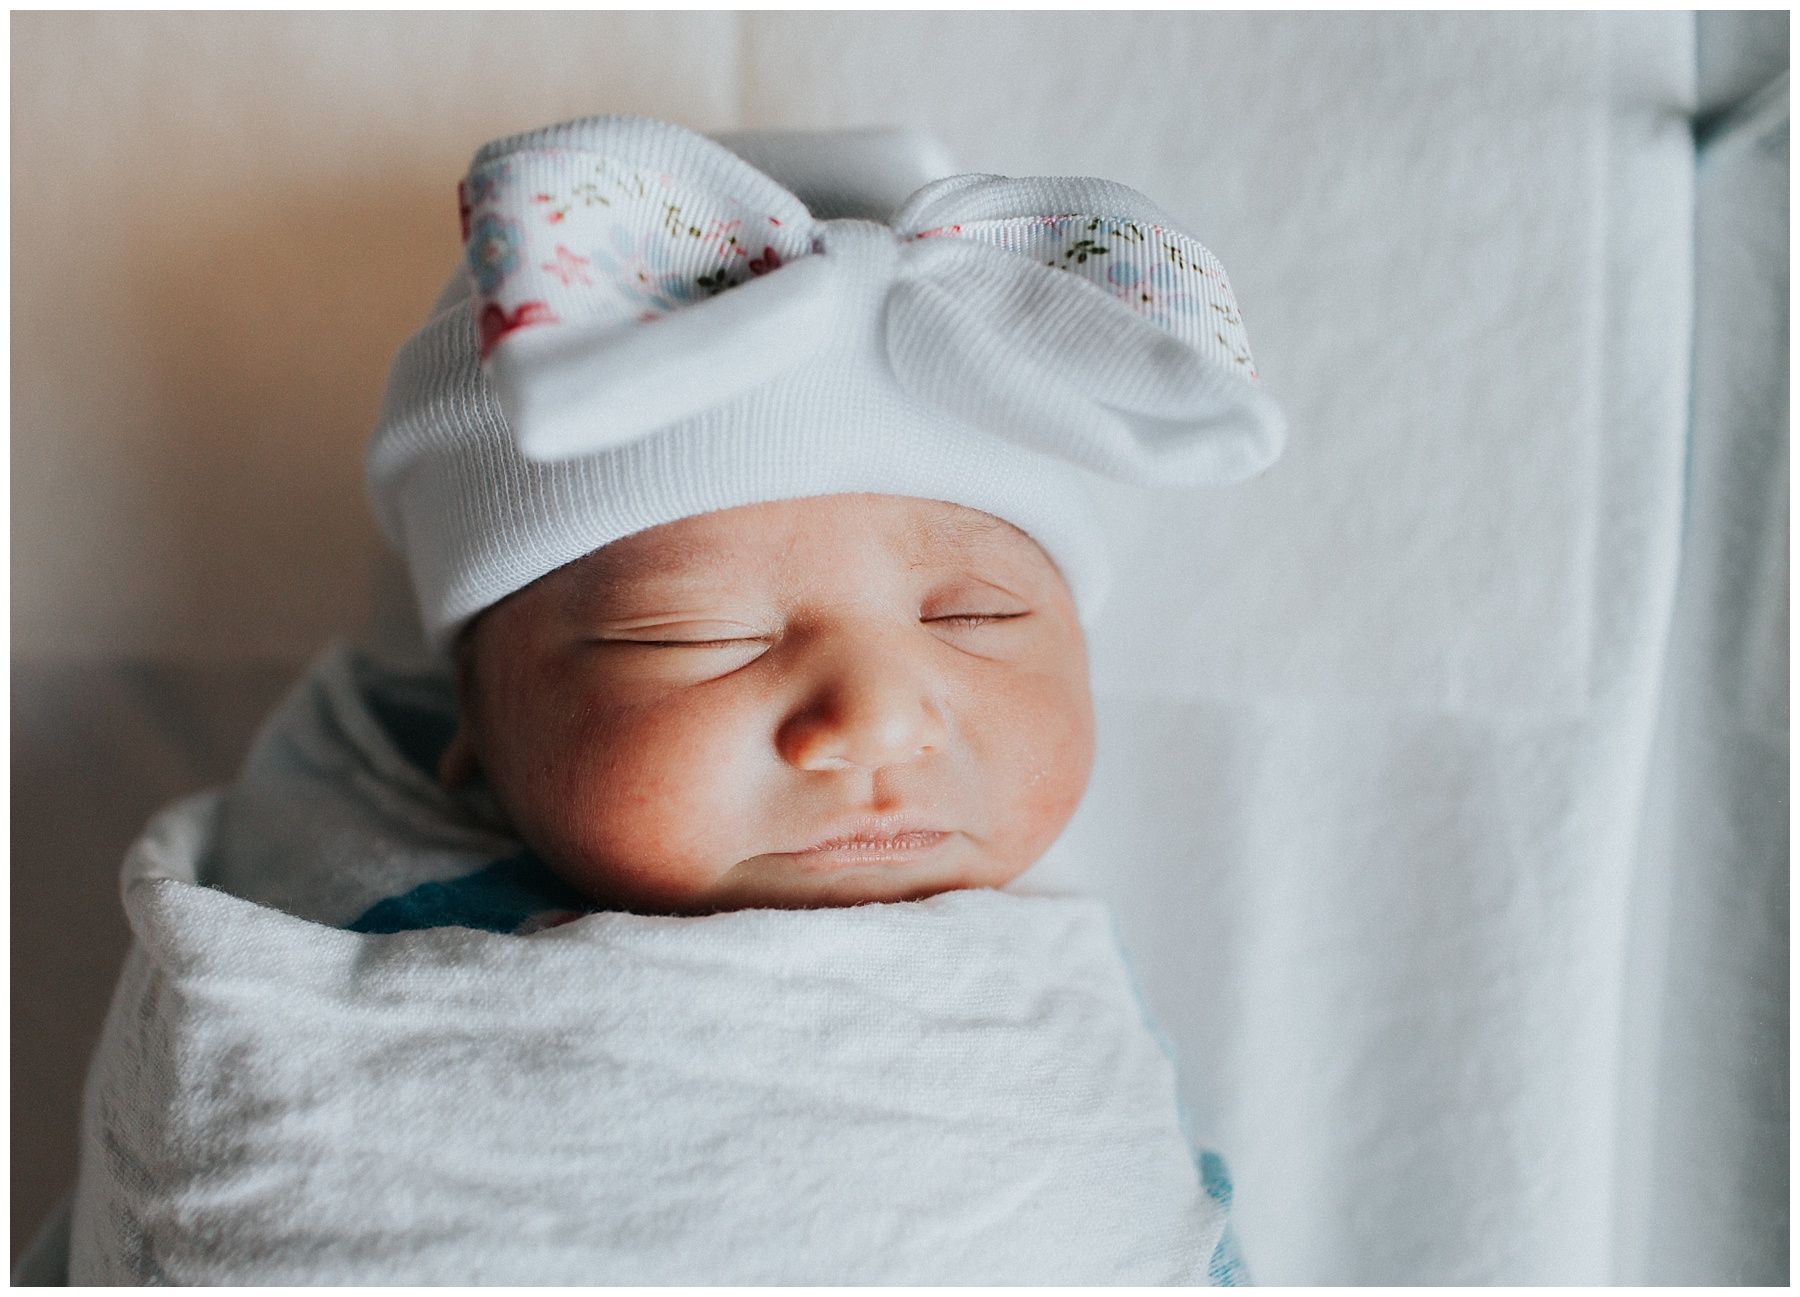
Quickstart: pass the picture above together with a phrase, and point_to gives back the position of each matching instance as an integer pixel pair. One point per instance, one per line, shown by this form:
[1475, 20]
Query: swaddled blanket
[955, 1090]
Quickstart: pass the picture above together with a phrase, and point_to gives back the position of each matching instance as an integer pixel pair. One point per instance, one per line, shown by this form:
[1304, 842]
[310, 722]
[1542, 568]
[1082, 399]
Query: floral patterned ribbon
[1061, 311]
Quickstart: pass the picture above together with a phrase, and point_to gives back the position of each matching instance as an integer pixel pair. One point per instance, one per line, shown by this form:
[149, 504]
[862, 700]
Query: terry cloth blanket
[957, 1090]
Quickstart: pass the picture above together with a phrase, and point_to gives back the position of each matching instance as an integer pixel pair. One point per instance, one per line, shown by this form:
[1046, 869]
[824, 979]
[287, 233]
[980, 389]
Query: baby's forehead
[812, 533]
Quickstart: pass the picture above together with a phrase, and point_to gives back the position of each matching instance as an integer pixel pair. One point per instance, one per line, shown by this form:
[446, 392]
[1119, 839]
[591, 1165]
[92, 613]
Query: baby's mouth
[870, 849]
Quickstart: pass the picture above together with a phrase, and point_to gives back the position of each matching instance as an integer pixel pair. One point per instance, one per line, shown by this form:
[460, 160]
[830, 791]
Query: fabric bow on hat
[629, 273]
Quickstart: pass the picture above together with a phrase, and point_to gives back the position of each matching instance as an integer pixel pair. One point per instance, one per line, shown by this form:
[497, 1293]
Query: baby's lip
[878, 833]
[855, 852]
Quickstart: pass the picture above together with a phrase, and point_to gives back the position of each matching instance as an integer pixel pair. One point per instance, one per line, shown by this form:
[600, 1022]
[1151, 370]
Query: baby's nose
[864, 714]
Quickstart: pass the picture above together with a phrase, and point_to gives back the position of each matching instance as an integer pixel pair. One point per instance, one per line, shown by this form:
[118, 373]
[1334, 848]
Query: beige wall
[223, 224]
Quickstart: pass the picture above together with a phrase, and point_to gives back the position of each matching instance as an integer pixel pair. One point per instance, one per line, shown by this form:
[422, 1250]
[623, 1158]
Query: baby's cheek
[1056, 781]
[649, 799]
[1048, 747]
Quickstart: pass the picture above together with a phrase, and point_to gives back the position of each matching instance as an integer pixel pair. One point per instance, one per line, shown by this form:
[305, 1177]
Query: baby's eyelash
[694, 643]
[966, 620]
[976, 619]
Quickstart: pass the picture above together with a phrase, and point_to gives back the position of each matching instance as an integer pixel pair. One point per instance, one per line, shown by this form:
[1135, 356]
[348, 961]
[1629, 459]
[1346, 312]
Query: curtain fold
[1703, 1135]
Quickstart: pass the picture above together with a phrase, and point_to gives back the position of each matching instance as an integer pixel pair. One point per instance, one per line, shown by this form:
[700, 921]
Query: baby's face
[676, 722]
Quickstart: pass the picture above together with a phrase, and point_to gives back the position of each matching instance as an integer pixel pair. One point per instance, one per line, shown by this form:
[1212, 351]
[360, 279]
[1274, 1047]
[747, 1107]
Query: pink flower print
[568, 266]
[723, 240]
[555, 215]
[496, 323]
[770, 260]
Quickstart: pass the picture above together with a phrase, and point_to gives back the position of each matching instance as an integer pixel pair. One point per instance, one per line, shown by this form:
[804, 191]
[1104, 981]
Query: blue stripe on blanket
[516, 895]
[1226, 1269]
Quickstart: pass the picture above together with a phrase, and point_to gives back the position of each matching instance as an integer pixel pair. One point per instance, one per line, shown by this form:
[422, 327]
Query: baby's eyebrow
[671, 554]
[924, 537]
[603, 572]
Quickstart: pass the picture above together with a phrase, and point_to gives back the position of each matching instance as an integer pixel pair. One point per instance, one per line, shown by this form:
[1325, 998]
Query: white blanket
[956, 1090]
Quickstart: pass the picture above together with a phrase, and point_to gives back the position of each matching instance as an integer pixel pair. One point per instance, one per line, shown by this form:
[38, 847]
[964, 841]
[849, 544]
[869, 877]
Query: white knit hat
[647, 327]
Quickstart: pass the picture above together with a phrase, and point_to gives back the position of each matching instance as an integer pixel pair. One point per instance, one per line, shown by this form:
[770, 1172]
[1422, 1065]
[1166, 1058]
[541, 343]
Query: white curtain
[1449, 818]
[1702, 1172]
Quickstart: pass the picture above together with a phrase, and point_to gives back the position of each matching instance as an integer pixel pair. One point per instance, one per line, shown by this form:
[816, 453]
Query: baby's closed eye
[683, 635]
[721, 635]
[971, 620]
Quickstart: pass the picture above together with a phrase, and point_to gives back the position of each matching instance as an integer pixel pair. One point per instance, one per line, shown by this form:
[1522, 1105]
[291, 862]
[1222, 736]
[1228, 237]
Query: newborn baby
[809, 702]
[669, 926]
